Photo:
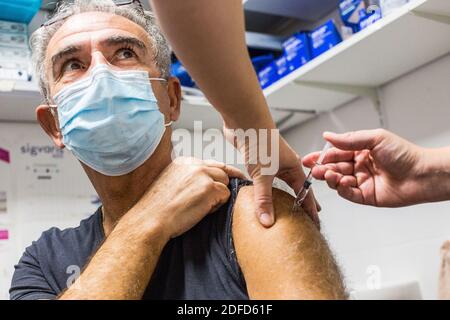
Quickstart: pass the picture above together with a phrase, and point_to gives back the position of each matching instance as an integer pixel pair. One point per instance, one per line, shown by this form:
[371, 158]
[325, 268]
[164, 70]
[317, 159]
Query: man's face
[89, 39]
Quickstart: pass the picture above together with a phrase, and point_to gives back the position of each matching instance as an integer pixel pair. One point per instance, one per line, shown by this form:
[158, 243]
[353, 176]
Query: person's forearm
[209, 39]
[123, 265]
[436, 174]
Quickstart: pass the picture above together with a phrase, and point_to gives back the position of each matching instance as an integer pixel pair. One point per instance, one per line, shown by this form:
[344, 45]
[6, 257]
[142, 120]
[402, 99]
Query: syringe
[303, 193]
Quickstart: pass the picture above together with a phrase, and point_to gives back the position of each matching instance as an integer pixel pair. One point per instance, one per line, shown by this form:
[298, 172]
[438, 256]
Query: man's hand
[289, 170]
[378, 168]
[186, 191]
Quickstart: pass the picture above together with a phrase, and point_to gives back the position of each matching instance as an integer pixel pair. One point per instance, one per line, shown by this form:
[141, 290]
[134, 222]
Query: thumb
[263, 200]
[356, 140]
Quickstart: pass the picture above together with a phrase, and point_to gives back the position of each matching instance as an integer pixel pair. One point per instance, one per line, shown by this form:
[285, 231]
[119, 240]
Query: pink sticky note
[4, 155]
[4, 235]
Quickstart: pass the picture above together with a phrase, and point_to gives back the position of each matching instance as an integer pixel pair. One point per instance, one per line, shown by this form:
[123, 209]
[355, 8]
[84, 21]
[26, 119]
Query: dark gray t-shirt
[200, 264]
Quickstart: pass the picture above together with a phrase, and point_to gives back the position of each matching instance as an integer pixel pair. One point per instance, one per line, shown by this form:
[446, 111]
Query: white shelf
[392, 47]
[20, 103]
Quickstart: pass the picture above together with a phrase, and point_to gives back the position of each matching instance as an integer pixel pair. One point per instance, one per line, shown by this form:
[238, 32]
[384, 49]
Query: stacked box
[296, 50]
[324, 38]
[14, 52]
[268, 75]
[359, 14]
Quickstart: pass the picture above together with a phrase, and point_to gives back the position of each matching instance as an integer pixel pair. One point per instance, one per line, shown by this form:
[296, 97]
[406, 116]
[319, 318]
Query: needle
[303, 193]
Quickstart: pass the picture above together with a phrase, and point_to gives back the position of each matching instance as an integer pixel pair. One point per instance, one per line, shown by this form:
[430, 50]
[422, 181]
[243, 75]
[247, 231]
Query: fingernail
[266, 219]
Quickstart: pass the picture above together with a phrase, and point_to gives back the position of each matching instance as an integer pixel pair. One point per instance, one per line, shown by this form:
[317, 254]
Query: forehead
[88, 27]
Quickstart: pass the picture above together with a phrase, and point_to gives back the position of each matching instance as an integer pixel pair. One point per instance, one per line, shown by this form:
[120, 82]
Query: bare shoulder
[290, 260]
[245, 219]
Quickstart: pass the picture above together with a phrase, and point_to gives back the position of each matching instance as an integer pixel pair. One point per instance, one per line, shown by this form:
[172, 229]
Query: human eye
[72, 66]
[125, 54]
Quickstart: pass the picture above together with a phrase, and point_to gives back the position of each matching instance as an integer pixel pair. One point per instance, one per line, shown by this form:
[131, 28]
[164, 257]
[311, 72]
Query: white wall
[44, 188]
[400, 244]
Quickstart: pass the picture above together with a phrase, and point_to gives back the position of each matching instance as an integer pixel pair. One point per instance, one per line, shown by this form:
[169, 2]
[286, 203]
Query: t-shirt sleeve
[28, 281]
[227, 241]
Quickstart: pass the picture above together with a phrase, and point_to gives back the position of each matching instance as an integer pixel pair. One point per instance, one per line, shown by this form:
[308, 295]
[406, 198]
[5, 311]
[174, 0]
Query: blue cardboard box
[357, 15]
[179, 71]
[260, 62]
[282, 66]
[351, 11]
[324, 38]
[370, 18]
[268, 75]
[19, 10]
[296, 50]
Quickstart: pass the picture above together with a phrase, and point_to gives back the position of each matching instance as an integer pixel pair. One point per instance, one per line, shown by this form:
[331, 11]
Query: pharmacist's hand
[185, 192]
[372, 167]
[286, 166]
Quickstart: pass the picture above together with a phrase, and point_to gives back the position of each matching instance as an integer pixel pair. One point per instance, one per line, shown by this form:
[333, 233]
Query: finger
[310, 160]
[263, 200]
[344, 168]
[332, 178]
[356, 140]
[351, 194]
[294, 177]
[336, 155]
[332, 156]
[348, 181]
[222, 195]
[230, 170]
[218, 175]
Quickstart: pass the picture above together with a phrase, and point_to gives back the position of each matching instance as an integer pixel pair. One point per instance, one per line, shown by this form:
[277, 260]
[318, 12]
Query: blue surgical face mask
[110, 120]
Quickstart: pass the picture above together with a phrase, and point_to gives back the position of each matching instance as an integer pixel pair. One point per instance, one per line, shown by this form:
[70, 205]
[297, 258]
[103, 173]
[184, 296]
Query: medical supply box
[324, 38]
[260, 62]
[296, 50]
[359, 14]
[19, 10]
[268, 75]
[13, 27]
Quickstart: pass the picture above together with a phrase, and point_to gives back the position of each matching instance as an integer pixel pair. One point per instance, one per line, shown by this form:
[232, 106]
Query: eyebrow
[121, 40]
[67, 51]
[110, 41]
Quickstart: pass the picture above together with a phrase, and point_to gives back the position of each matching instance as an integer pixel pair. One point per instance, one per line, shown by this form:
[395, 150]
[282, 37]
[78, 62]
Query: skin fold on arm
[291, 260]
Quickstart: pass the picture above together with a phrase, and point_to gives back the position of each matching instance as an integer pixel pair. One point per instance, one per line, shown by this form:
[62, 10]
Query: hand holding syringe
[303, 193]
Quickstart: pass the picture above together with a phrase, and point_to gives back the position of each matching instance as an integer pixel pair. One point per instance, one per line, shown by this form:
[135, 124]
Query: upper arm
[290, 260]
[28, 281]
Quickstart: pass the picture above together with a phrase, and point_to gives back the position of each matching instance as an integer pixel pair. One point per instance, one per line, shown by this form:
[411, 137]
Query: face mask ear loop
[157, 79]
[168, 124]
[53, 109]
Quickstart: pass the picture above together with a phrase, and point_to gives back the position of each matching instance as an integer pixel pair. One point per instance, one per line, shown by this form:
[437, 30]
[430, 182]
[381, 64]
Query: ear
[50, 125]
[174, 93]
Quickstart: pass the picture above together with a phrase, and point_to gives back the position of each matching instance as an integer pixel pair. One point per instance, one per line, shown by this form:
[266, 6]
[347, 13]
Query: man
[104, 72]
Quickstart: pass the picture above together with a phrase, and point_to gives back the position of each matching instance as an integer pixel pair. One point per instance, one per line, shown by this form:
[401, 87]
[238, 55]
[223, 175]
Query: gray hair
[41, 37]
